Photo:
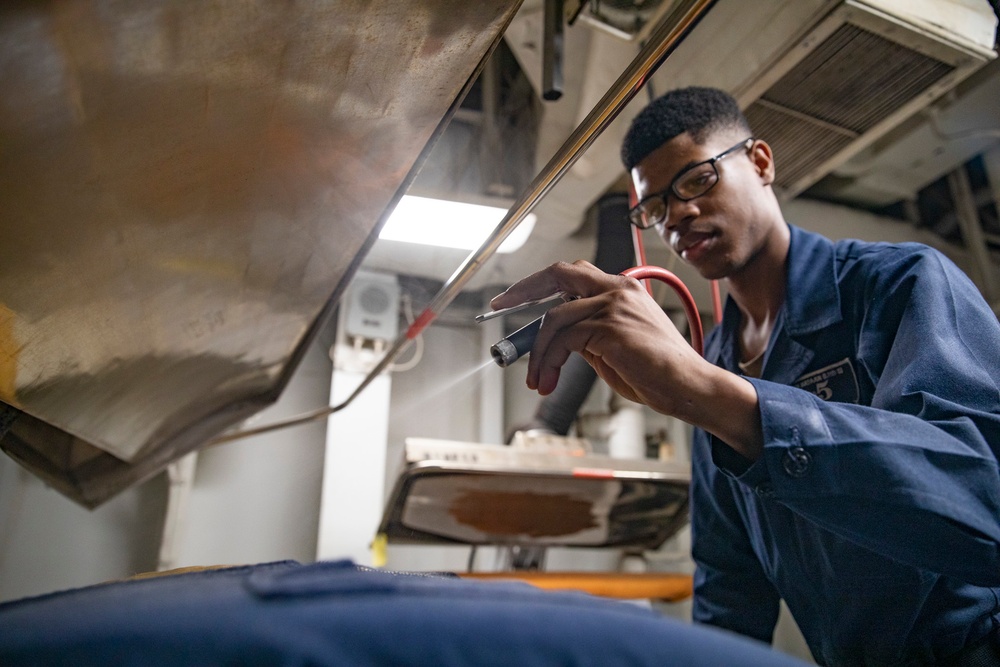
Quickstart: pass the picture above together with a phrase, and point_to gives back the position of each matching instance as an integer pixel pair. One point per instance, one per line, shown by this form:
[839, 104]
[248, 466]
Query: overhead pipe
[662, 41]
[972, 233]
[552, 51]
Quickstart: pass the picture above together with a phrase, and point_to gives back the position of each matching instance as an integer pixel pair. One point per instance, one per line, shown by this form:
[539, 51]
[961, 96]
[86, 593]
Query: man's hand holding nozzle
[624, 334]
[614, 323]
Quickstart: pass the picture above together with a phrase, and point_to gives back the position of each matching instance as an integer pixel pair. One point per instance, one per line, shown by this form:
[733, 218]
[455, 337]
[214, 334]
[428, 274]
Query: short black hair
[698, 111]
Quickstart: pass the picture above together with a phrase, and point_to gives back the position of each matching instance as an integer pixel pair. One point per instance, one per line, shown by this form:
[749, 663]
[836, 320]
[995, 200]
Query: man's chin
[705, 268]
[713, 275]
[709, 270]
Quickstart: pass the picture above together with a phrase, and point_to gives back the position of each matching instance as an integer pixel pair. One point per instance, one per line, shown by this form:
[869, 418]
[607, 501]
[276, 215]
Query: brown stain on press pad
[524, 513]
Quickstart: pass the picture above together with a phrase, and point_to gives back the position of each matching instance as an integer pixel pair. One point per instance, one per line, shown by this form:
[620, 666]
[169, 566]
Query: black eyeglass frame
[635, 213]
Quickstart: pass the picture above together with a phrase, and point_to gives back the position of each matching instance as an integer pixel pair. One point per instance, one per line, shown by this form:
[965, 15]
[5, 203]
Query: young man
[847, 410]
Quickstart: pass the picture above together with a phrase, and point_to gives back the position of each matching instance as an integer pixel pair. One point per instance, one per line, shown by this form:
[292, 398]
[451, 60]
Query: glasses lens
[697, 181]
[649, 212]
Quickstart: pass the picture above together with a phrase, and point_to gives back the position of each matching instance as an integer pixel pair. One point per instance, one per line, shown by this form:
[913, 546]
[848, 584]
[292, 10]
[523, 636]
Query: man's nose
[678, 212]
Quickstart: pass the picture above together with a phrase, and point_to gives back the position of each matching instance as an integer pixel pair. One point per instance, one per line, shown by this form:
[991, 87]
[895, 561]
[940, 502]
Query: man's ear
[763, 160]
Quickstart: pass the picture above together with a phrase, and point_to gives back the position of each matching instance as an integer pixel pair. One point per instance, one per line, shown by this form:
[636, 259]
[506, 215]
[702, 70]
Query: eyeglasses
[693, 182]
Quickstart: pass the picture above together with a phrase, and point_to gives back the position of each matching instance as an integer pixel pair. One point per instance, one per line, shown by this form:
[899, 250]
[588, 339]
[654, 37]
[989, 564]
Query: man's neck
[759, 290]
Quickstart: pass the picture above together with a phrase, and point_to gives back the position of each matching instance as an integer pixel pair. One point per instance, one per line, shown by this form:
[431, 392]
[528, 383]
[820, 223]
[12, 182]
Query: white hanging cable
[418, 348]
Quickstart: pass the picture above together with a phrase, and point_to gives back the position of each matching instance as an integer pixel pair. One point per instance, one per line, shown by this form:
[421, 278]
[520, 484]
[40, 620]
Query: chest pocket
[836, 382]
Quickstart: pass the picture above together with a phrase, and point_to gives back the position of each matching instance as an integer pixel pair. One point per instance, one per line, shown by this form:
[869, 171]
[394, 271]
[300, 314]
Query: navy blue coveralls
[874, 511]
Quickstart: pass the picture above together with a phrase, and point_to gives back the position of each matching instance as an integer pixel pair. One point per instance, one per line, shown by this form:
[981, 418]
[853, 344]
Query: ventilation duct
[855, 75]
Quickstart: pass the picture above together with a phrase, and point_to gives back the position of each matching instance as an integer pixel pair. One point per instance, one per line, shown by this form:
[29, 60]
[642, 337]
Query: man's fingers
[548, 364]
[576, 325]
[577, 279]
[536, 286]
[565, 328]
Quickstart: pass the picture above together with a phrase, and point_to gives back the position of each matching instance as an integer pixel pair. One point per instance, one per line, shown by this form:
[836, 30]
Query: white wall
[254, 500]
[837, 222]
[440, 397]
[257, 500]
[49, 543]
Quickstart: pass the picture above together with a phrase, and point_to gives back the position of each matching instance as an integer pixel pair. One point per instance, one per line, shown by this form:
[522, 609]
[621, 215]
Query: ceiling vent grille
[850, 79]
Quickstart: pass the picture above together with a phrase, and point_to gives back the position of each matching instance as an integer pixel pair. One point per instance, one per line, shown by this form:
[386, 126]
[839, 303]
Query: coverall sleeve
[914, 476]
[731, 590]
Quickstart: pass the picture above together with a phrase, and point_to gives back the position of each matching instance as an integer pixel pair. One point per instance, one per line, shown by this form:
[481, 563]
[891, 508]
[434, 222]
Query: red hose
[690, 308]
[716, 302]
[640, 254]
[637, 243]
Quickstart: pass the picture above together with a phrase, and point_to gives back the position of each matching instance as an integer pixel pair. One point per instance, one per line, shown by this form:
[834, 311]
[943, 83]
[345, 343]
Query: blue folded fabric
[336, 613]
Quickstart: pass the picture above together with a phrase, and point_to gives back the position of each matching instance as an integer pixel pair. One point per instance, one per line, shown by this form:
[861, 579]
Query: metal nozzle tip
[504, 353]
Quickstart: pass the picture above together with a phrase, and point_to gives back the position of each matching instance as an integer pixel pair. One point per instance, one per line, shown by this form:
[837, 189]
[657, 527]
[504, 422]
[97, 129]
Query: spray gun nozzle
[513, 347]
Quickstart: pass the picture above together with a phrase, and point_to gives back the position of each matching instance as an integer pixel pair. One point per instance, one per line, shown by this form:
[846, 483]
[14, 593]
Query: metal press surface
[186, 189]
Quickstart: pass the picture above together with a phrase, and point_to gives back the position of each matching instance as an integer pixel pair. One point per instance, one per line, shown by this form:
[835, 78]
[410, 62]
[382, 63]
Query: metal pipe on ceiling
[972, 233]
[671, 31]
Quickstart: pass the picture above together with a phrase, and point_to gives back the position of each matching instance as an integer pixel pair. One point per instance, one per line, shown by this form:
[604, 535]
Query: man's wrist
[729, 409]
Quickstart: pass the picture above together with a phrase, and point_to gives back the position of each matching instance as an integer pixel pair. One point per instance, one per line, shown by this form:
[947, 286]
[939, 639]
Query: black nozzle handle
[516, 345]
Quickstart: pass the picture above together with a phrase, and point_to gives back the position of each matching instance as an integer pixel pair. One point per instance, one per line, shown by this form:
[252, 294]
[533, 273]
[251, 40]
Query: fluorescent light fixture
[451, 224]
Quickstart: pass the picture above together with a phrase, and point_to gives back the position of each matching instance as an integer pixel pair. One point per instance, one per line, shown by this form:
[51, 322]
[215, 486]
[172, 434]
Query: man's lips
[689, 241]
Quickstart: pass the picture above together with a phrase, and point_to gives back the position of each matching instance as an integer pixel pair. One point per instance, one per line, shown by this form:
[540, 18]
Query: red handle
[690, 308]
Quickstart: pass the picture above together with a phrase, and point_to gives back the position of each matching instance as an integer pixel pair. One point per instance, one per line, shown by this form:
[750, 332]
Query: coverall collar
[812, 301]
